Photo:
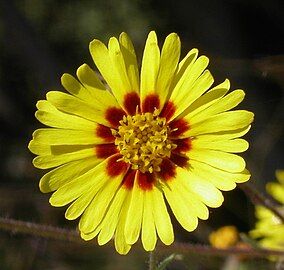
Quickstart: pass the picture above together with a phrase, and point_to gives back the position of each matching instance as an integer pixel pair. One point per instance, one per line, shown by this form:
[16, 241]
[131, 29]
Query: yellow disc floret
[143, 141]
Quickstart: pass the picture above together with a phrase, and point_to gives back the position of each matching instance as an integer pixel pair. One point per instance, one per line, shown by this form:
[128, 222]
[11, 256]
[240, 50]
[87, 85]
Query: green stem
[152, 260]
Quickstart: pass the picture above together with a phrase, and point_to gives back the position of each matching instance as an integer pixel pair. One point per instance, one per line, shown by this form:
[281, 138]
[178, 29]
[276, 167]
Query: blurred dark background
[41, 39]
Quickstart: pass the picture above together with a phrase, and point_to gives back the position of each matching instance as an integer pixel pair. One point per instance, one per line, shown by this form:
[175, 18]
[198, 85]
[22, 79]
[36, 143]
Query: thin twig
[45, 231]
[258, 198]
[201, 249]
[72, 236]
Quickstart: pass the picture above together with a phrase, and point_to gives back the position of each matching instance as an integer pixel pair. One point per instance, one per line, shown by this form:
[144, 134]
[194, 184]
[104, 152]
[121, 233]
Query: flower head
[269, 229]
[224, 237]
[118, 152]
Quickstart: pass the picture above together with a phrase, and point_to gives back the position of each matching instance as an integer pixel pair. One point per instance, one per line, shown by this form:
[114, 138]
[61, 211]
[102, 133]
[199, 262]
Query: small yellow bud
[224, 237]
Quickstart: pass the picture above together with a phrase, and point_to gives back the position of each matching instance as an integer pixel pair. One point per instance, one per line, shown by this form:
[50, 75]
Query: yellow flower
[152, 136]
[224, 237]
[269, 228]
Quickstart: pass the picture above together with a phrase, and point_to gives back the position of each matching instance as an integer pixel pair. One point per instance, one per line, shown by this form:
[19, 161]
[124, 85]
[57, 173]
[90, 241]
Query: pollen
[143, 141]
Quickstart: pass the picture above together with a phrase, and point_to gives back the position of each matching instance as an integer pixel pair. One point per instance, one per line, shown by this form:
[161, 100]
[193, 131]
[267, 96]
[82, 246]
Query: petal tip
[52, 201]
[169, 241]
[95, 43]
[251, 117]
[65, 78]
[173, 35]
[85, 237]
[30, 145]
[205, 59]
[227, 81]
[152, 36]
[68, 216]
[42, 187]
[36, 164]
[81, 68]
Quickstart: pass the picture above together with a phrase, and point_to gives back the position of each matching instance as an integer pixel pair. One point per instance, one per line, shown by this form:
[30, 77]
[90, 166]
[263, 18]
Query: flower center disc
[142, 140]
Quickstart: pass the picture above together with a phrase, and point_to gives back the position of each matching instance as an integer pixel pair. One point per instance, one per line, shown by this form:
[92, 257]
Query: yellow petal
[206, 100]
[190, 199]
[96, 210]
[204, 190]
[184, 91]
[90, 80]
[39, 148]
[221, 179]
[58, 177]
[112, 67]
[100, 55]
[224, 104]
[50, 116]
[53, 136]
[111, 219]
[189, 92]
[221, 160]
[91, 235]
[280, 176]
[276, 191]
[221, 122]
[118, 63]
[120, 238]
[184, 65]
[273, 242]
[94, 178]
[58, 158]
[181, 209]
[101, 98]
[135, 214]
[161, 216]
[75, 88]
[224, 135]
[148, 235]
[168, 63]
[232, 146]
[224, 85]
[46, 106]
[75, 106]
[261, 212]
[217, 180]
[130, 60]
[150, 65]
[77, 208]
